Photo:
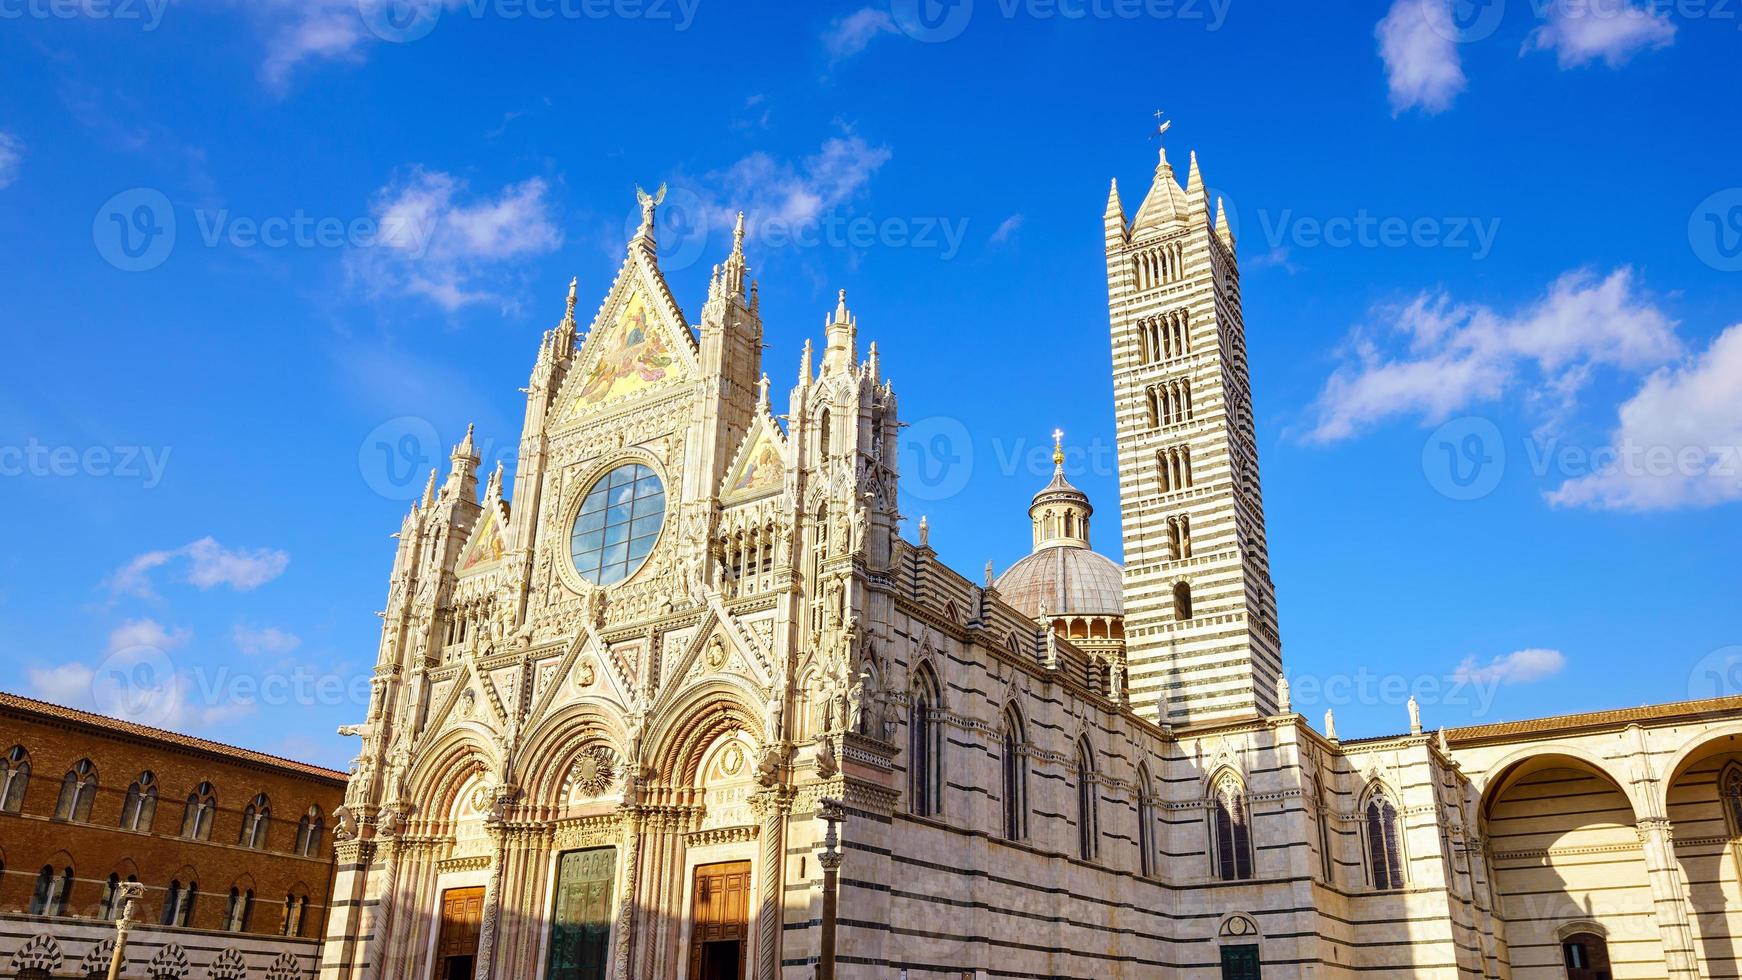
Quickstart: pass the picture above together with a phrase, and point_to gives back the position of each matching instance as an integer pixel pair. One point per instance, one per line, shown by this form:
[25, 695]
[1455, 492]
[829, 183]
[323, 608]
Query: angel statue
[648, 203]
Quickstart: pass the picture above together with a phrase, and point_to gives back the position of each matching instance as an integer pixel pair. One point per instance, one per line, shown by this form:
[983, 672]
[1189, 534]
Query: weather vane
[1162, 125]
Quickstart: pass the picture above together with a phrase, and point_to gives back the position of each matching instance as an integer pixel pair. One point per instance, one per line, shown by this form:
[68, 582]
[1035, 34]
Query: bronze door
[720, 922]
[457, 944]
[580, 922]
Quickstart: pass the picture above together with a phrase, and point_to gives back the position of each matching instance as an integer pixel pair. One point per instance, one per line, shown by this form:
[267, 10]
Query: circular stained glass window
[618, 523]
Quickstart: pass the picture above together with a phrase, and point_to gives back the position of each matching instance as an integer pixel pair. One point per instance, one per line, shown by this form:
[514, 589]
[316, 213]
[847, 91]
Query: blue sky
[1480, 245]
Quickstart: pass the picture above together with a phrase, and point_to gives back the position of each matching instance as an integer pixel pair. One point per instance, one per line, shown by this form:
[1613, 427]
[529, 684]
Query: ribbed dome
[1065, 581]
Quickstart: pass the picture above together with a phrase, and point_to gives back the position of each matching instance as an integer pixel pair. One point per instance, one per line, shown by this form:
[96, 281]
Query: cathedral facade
[610, 708]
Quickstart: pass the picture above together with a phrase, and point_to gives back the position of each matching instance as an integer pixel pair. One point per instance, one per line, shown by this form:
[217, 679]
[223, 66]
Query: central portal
[720, 921]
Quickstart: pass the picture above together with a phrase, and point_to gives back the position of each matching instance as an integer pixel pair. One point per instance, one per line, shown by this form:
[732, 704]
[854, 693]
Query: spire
[1058, 451]
[462, 477]
[1196, 197]
[1223, 230]
[1114, 205]
[841, 353]
[429, 490]
[1164, 204]
[736, 269]
[873, 364]
[805, 364]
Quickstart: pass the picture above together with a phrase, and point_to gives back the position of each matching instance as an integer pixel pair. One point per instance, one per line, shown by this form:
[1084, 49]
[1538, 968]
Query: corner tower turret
[1200, 610]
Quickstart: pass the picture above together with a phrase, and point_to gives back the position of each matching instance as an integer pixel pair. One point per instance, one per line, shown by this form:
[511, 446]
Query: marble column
[1669, 898]
[485, 968]
[773, 806]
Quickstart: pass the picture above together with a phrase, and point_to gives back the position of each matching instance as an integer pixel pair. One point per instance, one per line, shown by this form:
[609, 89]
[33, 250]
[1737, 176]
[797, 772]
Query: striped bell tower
[1200, 610]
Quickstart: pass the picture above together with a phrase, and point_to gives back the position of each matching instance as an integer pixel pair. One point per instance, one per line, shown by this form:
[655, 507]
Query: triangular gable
[639, 342]
[760, 466]
[487, 544]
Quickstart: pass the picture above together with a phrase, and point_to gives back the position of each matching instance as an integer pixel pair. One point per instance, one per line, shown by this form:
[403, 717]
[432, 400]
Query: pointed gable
[639, 342]
[760, 466]
[487, 544]
[1165, 204]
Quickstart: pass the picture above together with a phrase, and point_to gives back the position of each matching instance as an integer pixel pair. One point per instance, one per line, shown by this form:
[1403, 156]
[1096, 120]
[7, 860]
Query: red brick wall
[98, 847]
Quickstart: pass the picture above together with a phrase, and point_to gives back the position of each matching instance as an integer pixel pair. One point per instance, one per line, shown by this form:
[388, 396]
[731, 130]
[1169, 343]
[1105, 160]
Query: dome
[1065, 580]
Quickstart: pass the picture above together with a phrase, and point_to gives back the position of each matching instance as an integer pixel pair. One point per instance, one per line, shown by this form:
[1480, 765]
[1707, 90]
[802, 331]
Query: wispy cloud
[1519, 667]
[1005, 230]
[1678, 442]
[205, 564]
[1435, 356]
[439, 241]
[1418, 42]
[146, 633]
[11, 158]
[770, 189]
[267, 639]
[1581, 32]
[849, 35]
[135, 681]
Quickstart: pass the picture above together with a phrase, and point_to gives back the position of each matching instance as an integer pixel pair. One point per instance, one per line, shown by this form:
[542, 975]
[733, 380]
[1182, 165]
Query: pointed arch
[1379, 835]
[1147, 854]
[14, 779]
[1088, 813]
[553, 747]
[198, 812]
[1230, 827]
[695, 722]
[1013, 786]
[925, 742]
[78, 790]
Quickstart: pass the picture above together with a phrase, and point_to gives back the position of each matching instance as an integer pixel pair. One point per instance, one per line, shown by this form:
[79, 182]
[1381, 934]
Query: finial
[1445, 746]
[841, 308]
[989, 575]
[1284, 703]
[763, 397]
[465, 446]
[429, 489]
[738, 234]
[1414, 716]
[924, 532]
[1330, 725]
[1058, 448]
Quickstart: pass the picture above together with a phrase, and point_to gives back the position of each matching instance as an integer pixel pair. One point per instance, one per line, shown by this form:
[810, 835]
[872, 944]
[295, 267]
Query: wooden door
[580, 921]
[457, 943]
[720, 922]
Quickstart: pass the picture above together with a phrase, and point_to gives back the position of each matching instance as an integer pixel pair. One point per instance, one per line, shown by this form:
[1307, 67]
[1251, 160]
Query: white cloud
[771, 190]
[68, 684]
[1417, 40]
[849, 35]
[269, 639]
[11, 157]
[1582, 31]
[208, 565]
[1679, 439]
[146, 633]
[306, 30]
[1520, 667]
[1005, 230]
[1436, 356]
[439, 242]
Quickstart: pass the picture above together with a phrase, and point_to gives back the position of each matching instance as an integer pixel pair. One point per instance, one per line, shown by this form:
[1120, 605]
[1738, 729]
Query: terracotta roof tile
[44, 709]
[1597, 719]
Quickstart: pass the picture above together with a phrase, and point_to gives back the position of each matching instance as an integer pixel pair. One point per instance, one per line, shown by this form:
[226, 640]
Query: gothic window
[178, 903]
[1015, 777]
[308, 833]
[236, 913]
[1154, 408]
[1179, 537]
[106, 909]
[1182, 601]
[196, 818]
[1231, 835]
[823, 435]
[923, 741]
[14, 780]
[295, 909]
[78, 790]
[140, 807]
[52, 887]
[1088, 833]
[1384, 857]
[256, 820]
[1146, 855]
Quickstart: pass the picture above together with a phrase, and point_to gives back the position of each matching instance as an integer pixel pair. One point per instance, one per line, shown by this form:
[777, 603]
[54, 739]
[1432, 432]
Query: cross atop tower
[1162, 126]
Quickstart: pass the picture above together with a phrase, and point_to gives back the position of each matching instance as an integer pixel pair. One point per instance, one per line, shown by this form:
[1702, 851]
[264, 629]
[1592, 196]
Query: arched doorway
[1585, 956]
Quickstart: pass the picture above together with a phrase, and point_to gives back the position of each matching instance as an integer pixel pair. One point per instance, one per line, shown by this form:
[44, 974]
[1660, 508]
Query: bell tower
[1200, 610]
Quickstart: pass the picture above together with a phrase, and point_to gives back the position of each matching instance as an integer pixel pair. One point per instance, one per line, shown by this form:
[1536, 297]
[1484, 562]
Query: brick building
[233, 847]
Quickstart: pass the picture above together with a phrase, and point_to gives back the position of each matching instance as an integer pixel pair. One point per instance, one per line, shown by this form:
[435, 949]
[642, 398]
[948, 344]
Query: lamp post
[127, 895]
[833, 813]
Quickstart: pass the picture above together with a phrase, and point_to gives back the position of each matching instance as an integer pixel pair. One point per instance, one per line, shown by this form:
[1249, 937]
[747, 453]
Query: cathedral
[683, 697]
